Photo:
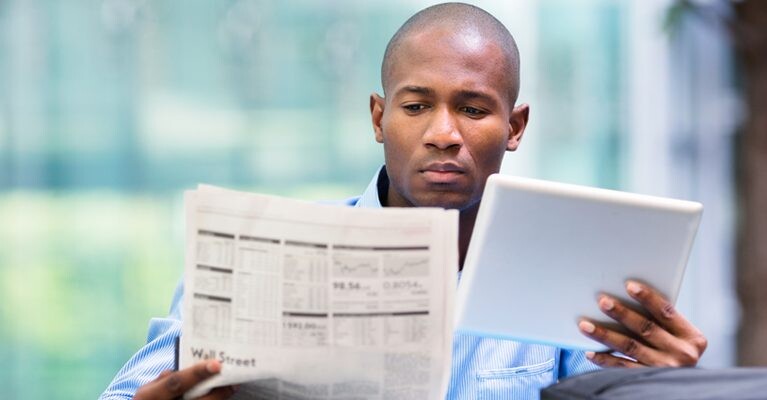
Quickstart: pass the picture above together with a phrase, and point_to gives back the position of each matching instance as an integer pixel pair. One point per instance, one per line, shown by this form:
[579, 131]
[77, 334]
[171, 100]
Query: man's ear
[517, 125]
[376, 114]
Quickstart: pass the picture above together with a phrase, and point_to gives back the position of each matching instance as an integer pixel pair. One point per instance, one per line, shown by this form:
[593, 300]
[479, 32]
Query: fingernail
[587, 326]
[590, 355]
[633, 287]
[213, 367]
[606, 303]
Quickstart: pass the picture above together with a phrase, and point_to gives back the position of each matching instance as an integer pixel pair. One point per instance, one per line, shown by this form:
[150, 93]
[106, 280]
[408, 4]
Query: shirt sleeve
[574, 362]
[157, 355]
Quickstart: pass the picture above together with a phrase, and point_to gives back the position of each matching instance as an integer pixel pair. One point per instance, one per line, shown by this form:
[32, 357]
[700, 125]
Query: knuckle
[668, 311]
[647, 328]
[629, 347]
[622, 363]
[173, 384]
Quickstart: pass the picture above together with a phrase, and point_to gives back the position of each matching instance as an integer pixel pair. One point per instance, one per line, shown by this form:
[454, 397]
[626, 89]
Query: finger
[622, 343]
[608, 360]
[177, 383]
[220, 393]
[662, 310]
[642, 326]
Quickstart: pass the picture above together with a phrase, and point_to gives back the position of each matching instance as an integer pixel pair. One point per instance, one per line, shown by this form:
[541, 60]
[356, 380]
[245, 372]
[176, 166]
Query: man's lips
[442, 172]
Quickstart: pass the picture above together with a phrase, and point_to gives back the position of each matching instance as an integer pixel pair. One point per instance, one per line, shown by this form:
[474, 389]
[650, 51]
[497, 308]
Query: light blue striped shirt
[482, 368]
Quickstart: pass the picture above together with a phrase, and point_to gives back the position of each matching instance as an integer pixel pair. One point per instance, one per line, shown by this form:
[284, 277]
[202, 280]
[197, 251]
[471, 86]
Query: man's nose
[443, 132]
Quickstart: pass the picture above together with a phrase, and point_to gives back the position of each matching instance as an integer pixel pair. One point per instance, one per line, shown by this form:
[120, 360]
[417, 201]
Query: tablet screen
[542, 252]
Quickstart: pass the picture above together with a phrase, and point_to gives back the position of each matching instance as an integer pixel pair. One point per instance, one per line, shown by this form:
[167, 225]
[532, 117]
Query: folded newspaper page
[309, 301]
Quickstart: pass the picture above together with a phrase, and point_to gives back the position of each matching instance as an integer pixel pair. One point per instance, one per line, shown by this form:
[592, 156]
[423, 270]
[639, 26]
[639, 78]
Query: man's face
[447, 119]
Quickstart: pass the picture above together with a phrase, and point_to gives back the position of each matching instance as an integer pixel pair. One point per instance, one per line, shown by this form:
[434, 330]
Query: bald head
[464, 22]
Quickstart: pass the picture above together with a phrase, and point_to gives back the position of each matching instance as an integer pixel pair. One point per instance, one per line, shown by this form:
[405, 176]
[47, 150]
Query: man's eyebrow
[416, 90]
[471, 94]
[462, 95]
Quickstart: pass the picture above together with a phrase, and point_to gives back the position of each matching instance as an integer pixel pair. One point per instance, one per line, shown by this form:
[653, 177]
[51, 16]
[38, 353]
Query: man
[451, 77]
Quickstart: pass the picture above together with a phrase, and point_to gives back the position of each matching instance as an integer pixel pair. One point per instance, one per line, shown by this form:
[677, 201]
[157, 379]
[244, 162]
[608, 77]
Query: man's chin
[447, 201]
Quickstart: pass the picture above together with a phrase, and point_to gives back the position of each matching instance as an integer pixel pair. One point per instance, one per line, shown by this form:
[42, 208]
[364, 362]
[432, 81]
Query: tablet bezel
[499, 293]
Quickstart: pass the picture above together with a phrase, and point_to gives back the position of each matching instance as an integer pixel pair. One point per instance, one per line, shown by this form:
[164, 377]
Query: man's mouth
[442, 172]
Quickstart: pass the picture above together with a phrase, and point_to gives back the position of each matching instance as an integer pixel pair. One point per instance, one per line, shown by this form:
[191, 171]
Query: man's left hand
[666, 339]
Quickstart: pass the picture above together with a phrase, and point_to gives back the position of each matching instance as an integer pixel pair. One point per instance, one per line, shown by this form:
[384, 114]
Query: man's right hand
[173, 384]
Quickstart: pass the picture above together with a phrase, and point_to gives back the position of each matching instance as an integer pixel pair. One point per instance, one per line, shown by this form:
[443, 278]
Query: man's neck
[465, 227]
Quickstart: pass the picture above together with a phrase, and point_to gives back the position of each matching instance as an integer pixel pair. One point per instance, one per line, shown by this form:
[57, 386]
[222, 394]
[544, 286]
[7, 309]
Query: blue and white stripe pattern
[482, 368]
[156, 356]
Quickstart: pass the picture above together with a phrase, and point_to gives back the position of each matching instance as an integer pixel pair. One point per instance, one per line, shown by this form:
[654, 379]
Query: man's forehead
[467, 57]
[447, 39]
[451, 36]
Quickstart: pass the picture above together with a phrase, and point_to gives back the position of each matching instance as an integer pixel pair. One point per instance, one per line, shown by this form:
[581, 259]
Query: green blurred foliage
[79, 273]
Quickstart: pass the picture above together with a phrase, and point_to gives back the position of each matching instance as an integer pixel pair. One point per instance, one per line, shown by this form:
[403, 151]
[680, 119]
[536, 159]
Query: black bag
[662, 384]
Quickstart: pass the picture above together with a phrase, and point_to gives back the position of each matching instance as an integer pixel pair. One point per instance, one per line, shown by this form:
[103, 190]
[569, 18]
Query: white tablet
[542, 252]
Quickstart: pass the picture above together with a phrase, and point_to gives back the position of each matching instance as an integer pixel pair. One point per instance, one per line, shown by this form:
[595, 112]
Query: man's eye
[474, 112]
[414, 107]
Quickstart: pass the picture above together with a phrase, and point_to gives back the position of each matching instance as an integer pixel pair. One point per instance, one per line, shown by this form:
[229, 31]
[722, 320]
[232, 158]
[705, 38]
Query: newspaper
[309, 301]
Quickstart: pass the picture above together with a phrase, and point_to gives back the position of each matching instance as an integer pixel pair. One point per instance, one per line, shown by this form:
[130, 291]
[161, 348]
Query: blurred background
[110, 109]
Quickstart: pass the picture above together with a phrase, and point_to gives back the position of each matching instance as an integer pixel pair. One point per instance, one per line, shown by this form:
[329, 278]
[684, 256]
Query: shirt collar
[379, 185]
